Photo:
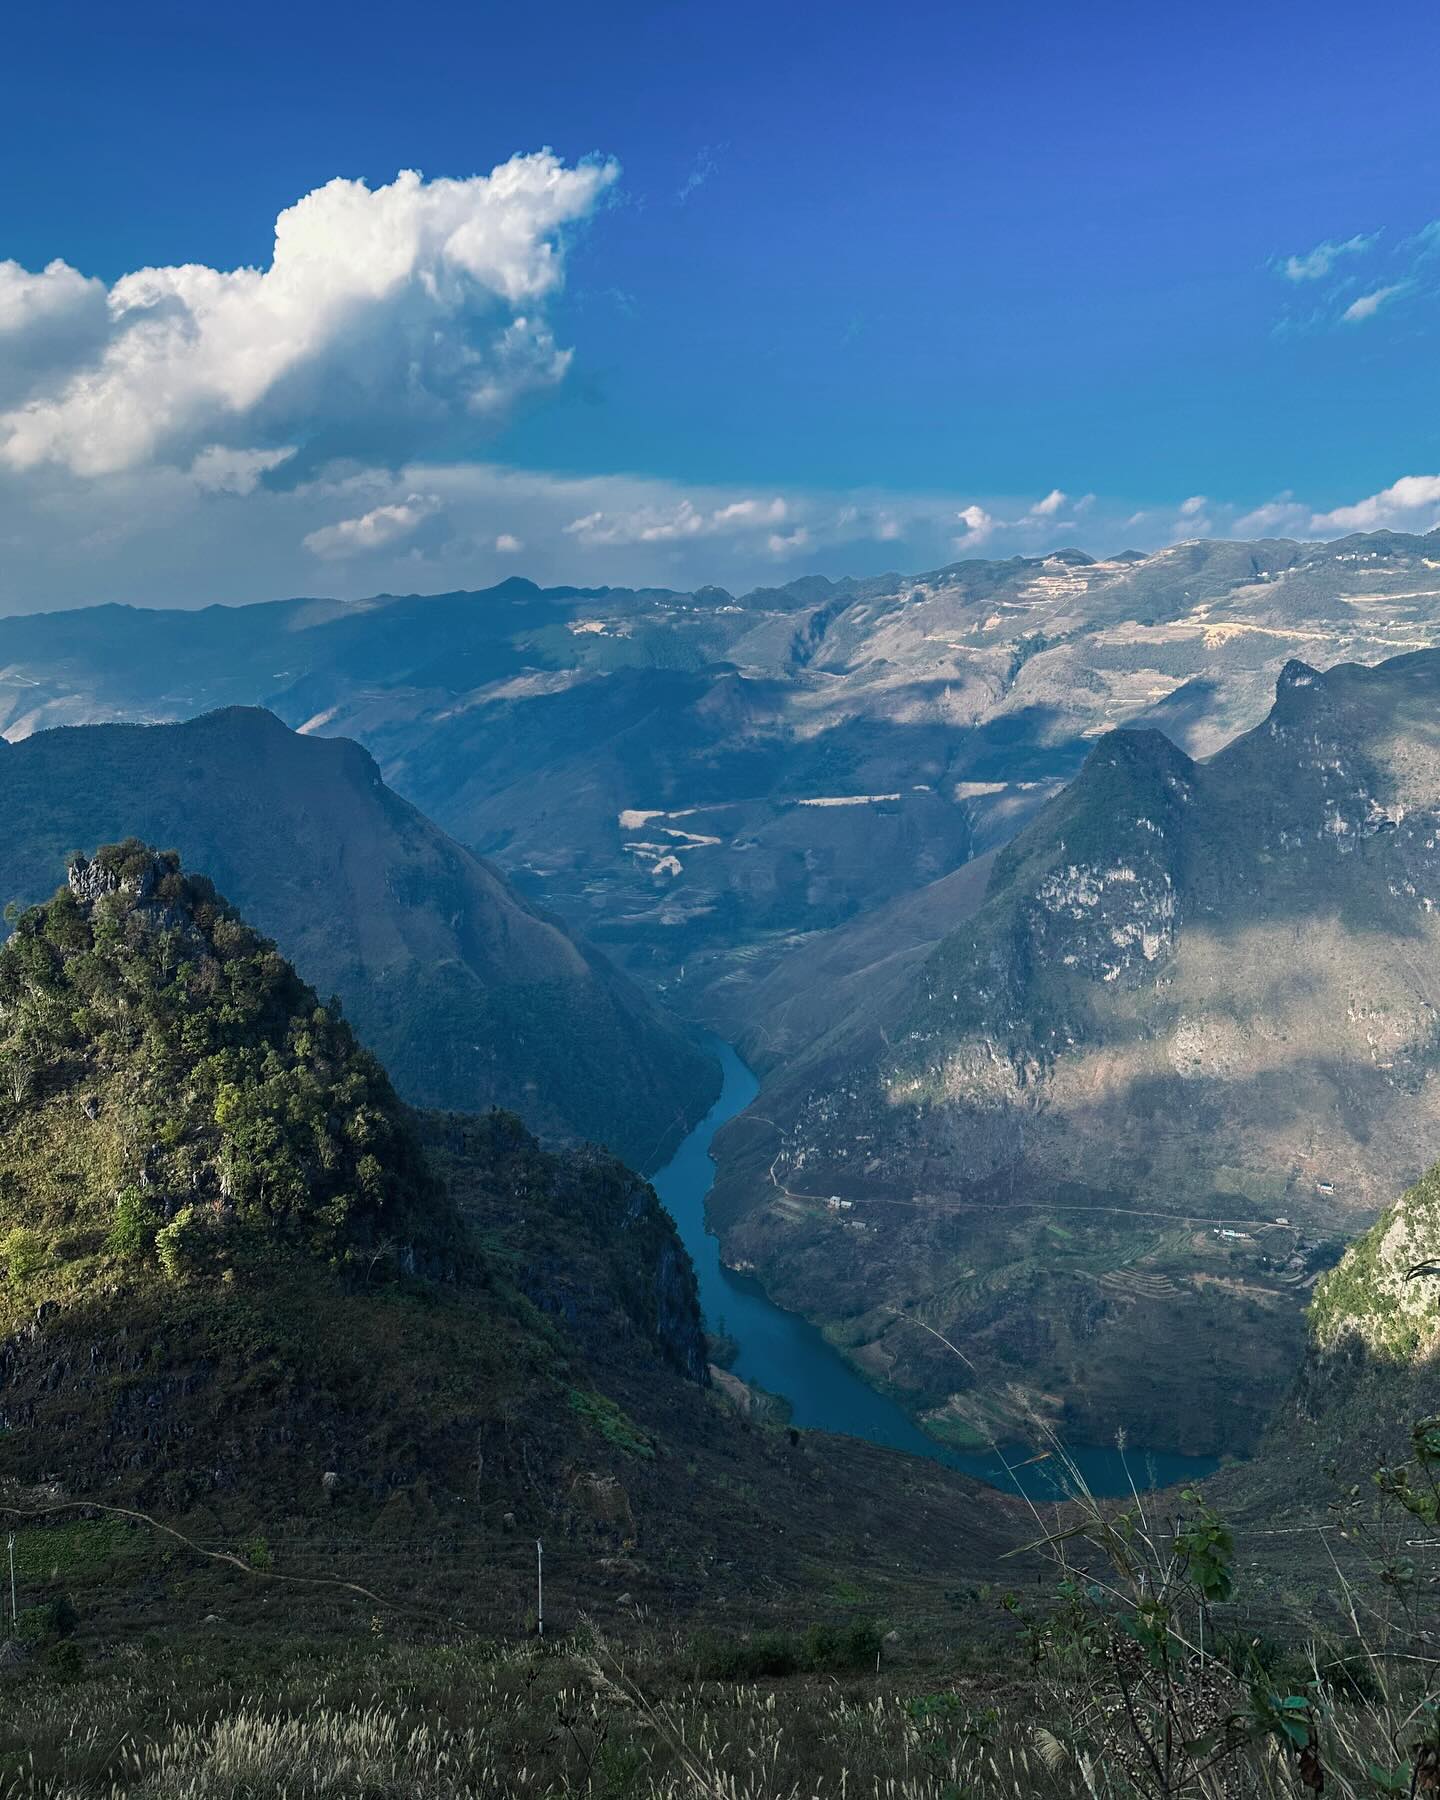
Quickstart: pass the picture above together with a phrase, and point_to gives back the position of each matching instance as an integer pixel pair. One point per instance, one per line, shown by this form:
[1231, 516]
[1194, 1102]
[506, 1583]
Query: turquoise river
[785, 1354]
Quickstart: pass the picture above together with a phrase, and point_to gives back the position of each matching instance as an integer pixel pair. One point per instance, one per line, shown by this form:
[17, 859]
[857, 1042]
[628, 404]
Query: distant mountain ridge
[1119, 1120]
[693, 779]
[471, 997]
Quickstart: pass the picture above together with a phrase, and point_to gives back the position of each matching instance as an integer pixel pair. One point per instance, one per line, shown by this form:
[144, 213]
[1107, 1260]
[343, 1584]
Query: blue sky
[867, 288]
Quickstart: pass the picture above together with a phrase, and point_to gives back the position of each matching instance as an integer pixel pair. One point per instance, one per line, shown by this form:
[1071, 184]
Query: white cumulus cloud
[382, 309]
[978, 524]
[379, 529]
[1410, 504]
[49, 322]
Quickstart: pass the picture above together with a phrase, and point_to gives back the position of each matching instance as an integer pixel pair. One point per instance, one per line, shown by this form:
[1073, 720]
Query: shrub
[66, 1661]
[721, 1658]
[177, 1244]
[820, 1650]
[24, 1255]
[604, 1416]
[134, 1228]
[832, 1648]
[51, 1620]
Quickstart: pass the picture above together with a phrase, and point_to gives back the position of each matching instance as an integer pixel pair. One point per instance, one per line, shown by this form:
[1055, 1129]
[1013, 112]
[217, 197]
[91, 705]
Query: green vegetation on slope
[161, 1060]
[226, 1262]
[1370, 1362]
[400, 1371]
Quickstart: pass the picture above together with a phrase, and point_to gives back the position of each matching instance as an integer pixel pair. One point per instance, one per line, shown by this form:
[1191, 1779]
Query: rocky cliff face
[589, 1242]
[1370, 1370]
[1382, 1299]
[1121, 1119]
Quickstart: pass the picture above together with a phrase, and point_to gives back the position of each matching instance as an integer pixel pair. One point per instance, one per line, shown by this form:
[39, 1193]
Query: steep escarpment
[1123, 1117]
[469, 996]
[226, 1249]
[584, 1239]
[1368, 1377]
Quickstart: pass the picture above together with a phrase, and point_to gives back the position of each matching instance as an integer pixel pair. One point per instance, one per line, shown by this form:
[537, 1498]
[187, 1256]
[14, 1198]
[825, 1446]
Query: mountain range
[692, 780]
[1084, 1082]
[1086, 1069]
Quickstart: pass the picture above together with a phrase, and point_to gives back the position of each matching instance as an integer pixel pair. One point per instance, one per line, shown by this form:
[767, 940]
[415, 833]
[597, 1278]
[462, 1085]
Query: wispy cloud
[684, 520]
[707, 161]
[1345, 293]
[222, 471]
[1425, 242]
[1284, 516]
[1192, 519]
[164, 535]
[1041, 520]
[1316, 264]
[379, 529]
[1369, 304]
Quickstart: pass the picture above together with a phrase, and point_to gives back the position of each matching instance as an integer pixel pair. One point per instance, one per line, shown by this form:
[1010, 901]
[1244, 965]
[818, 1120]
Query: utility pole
[14, 1609]
[539, 1587]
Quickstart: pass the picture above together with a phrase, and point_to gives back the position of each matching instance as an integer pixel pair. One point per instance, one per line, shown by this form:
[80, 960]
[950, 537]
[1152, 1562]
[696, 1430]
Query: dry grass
[447, 1725]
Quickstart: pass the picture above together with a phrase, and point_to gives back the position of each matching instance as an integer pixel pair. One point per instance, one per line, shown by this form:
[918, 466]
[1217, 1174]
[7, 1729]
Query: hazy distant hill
[470, 997]
[1118, 1119]
[692, 779]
